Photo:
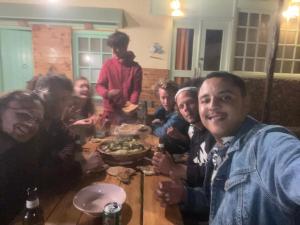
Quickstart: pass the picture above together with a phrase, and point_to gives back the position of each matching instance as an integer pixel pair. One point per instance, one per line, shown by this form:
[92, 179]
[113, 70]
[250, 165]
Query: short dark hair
[234, 79]
[118, 39]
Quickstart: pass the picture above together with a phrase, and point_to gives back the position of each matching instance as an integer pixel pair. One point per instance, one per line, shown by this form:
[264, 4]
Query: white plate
[92, 199]
[132, 130]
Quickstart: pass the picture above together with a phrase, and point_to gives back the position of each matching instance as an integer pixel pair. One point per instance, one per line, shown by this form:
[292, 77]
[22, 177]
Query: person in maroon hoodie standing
[120, 80]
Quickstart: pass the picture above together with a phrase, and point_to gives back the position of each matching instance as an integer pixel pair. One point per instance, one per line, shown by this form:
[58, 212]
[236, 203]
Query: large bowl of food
[122, 151]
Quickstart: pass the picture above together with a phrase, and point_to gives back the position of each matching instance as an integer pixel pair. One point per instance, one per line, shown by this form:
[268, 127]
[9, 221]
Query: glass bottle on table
[161, 146]
[33, 213]
[103, 129]
[142, 112]
[107, 126]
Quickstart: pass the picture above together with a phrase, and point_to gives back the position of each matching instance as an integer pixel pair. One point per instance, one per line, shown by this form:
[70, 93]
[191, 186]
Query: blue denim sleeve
[173, 121]
[279, 165]
[196, 200]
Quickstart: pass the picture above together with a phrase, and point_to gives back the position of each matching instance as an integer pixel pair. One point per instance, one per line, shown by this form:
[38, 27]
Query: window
[90, 51]
[212, 50]
[288, 55]
[251, 42]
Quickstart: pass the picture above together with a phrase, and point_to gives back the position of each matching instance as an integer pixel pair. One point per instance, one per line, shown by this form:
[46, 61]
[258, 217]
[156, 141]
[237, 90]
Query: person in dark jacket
[168, 125]
[57, 143]
[57, 163]
[193, 172]
[21, 113]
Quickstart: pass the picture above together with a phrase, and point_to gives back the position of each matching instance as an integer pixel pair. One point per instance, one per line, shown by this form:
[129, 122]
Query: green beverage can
[112, 214]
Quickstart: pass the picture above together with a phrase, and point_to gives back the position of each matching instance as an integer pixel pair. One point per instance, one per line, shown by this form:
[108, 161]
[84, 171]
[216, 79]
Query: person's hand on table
[170, 193]
[163, 163]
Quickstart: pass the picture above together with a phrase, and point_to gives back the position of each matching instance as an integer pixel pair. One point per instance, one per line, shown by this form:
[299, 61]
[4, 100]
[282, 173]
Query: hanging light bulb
[175, 4]
[177, 12]
[53, 1]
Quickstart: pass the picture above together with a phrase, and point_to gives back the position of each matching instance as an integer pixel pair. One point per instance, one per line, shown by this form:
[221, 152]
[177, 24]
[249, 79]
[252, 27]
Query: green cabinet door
[16, 60]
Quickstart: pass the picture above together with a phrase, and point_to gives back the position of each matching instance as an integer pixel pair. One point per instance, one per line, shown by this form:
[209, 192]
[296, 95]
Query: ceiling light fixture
[53, 1]
[177, 12]
[175, 6]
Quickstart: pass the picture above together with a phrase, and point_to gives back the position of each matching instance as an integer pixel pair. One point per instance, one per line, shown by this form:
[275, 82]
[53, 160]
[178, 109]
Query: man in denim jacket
[254, 177]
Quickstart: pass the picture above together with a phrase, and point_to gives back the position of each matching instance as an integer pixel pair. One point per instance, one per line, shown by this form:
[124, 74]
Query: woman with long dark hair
[21, 114]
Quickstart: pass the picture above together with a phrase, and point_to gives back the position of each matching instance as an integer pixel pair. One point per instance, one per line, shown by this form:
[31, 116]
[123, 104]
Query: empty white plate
[92, 199]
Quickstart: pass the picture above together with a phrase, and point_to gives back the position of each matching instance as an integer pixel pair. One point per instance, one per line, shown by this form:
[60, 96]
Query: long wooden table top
[140, 207]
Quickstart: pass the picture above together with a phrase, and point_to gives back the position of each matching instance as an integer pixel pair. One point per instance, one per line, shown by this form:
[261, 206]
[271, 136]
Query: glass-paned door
[90, 51]
[212, 51]
[199, 48]
[184, 50]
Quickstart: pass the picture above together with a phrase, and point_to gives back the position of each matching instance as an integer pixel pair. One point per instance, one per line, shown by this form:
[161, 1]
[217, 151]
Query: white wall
[143, 28]
[149, 21]
[212, 8]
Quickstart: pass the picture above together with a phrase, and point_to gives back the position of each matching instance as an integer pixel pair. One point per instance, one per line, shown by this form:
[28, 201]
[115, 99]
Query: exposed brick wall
[52, 47]
[150, 77]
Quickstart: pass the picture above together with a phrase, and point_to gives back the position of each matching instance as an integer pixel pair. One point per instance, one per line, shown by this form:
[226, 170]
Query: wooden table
[140, 207]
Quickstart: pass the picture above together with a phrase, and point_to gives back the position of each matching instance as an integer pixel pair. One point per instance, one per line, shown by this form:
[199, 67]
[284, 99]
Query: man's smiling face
[222, 107]
[188, 107]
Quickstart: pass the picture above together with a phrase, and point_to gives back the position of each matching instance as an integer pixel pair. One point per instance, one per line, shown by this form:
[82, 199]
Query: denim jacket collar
[248, 124]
